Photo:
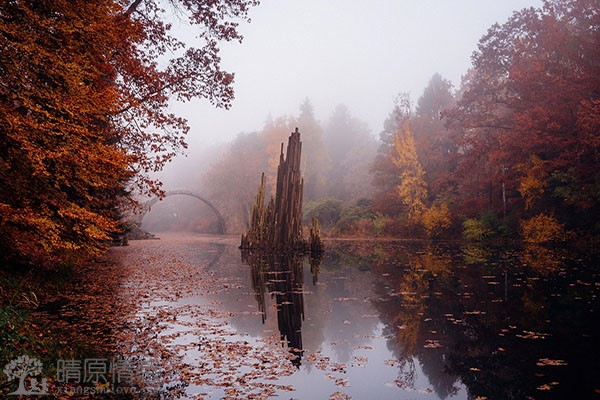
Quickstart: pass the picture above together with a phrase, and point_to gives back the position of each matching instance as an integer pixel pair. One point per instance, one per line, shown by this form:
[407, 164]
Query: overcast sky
[360, 53]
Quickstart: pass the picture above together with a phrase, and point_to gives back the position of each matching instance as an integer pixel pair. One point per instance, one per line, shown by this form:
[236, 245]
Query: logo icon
[24, 367]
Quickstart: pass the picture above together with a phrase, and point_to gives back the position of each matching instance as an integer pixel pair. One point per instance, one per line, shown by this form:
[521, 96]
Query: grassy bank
[46, 315]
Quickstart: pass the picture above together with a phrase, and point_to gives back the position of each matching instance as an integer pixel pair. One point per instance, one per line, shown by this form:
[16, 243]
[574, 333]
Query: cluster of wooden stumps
[277, 227]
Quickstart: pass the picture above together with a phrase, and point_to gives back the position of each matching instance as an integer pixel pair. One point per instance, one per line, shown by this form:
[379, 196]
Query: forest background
[512, 152]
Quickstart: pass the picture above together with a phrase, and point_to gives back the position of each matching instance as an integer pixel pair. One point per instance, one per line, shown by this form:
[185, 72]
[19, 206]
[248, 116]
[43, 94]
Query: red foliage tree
[533, 99]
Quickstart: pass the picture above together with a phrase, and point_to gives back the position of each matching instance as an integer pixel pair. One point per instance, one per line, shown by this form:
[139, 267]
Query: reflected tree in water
[413, 283]
[281, 276]
[542, 259]
[492, 317]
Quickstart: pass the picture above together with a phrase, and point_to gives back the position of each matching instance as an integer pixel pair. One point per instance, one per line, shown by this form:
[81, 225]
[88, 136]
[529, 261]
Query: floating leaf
[543, 362]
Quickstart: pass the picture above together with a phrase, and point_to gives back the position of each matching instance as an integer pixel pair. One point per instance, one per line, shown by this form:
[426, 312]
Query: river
[370, 320]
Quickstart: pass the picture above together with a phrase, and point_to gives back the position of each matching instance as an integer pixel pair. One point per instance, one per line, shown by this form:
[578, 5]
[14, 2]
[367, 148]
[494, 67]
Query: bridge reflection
[281, 276]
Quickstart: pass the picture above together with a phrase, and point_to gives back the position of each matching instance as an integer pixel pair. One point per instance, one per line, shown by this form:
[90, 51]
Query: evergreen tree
[315, 160]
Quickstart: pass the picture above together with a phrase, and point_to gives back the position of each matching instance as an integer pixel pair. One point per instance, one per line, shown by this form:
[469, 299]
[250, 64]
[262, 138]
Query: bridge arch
[145, 207]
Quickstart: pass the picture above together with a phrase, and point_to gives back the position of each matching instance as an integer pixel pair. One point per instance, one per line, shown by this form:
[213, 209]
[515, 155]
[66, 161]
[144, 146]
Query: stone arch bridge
[135, 219]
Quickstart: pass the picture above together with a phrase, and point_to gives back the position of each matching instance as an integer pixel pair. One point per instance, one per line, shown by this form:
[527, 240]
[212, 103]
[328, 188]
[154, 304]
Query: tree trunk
[278, 227]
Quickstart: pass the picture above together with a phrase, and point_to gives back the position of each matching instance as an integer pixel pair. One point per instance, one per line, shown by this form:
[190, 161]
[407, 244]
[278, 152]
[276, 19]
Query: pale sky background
[360, 53]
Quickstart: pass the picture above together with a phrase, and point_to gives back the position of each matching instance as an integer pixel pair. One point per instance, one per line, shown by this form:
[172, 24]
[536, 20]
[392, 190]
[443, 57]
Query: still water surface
[401, 320]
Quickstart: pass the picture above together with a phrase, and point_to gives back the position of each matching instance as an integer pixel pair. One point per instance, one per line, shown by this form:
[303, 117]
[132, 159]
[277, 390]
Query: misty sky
[361, 53]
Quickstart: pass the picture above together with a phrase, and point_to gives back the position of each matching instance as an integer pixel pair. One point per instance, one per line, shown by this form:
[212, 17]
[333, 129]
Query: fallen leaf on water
[532, 335]
[342, 382]
[339, 367]
[339, 396]
[543, 362]
[432, 344]
[400, 384]
[545, 386]
[360, 361]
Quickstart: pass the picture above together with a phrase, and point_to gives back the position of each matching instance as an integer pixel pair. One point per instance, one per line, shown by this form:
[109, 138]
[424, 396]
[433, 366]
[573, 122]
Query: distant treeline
[513, 150]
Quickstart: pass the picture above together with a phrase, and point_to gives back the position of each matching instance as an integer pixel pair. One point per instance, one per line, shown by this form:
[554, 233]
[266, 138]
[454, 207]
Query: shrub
[380, 223]
[327, 211]
[357, 219]
[542, 229]
[436, 219]
[475, 229]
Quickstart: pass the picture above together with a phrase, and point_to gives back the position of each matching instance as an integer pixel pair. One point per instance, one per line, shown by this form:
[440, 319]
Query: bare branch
[132, 8]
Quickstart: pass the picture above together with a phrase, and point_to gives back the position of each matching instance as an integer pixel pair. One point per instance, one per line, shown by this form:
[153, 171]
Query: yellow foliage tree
[412, 189]
[534, 182]
[542, 228]
[436, 219]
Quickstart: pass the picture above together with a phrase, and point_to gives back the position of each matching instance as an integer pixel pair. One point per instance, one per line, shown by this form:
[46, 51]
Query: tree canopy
[529, 115]
[84, 95]
[519, 140]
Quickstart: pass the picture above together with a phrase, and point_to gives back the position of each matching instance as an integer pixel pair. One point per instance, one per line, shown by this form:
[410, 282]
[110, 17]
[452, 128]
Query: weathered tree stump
[278, 226]
[315, 243]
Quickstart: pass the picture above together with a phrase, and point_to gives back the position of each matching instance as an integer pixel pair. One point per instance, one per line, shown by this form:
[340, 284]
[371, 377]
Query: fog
[360, 54]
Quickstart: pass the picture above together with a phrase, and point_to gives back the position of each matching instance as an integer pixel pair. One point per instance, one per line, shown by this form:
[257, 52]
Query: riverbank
[52, 315]
[116, 310]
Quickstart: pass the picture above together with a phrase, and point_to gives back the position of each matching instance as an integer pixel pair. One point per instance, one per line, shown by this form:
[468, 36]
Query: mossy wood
[278, 225]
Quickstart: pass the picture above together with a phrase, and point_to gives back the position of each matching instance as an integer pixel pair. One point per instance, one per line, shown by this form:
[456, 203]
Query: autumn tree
[60, 165]
[435, 149]
[411, 190]
[397, 170]
[384, 176]
[84, 95]
[530, 112]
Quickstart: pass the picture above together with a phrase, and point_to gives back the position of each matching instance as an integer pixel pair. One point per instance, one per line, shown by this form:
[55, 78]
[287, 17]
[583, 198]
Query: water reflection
[495, 319]
[457, 321]
[281, 276]
[408, 288]
[542, 259]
